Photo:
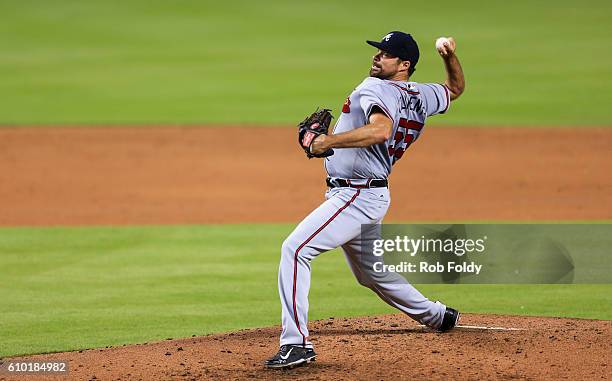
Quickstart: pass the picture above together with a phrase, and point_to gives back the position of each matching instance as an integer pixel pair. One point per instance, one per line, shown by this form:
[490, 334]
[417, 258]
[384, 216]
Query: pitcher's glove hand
[314, 125]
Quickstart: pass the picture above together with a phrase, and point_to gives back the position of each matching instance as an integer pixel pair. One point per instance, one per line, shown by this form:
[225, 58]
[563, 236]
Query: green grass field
[70, 288]
[271, 62]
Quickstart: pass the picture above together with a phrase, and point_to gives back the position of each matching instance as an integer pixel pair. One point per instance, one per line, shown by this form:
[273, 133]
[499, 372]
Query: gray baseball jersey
[408, 104]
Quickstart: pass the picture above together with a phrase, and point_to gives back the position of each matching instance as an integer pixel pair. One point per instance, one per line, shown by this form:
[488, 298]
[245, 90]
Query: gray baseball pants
[337, 222]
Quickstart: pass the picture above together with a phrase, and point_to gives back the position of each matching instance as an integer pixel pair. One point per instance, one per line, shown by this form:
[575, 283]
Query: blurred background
[269, 62]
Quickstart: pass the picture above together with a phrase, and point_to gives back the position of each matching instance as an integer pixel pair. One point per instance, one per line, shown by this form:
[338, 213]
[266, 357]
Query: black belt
[345, 183]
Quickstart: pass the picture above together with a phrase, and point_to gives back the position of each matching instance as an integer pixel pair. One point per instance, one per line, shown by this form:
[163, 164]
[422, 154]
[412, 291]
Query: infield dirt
[183, 175]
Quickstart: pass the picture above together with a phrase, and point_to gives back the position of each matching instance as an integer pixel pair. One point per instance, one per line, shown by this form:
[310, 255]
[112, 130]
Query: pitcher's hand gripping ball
[314, 125]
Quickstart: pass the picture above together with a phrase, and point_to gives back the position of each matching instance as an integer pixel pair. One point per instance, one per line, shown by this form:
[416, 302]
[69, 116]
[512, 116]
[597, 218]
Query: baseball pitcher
[381, 118]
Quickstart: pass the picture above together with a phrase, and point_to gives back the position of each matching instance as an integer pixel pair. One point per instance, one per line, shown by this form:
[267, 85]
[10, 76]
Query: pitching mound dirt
[374, 348]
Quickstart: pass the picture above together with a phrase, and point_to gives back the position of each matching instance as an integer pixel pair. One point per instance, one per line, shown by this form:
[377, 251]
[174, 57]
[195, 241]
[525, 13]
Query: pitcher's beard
[375, 71]
[378, 74]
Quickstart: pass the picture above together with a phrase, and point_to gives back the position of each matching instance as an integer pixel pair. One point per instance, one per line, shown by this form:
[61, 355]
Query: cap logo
[387, 37]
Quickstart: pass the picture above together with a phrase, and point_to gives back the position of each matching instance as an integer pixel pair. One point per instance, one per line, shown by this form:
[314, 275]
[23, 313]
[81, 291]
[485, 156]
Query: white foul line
[489, 328]
[485, 328]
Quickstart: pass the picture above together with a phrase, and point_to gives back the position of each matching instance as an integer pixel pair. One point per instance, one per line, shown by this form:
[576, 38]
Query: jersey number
[406, 132]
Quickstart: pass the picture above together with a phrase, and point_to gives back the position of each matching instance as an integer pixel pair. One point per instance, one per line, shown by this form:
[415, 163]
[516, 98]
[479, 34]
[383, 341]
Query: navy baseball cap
[399, 44]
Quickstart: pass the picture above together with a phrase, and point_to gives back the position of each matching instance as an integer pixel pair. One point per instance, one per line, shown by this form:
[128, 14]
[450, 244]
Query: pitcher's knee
[293, 245]
[289, 247]
[365, 282]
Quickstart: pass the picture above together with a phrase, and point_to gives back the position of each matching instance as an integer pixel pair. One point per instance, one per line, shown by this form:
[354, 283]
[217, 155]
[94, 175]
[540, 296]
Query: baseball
[440, 43]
